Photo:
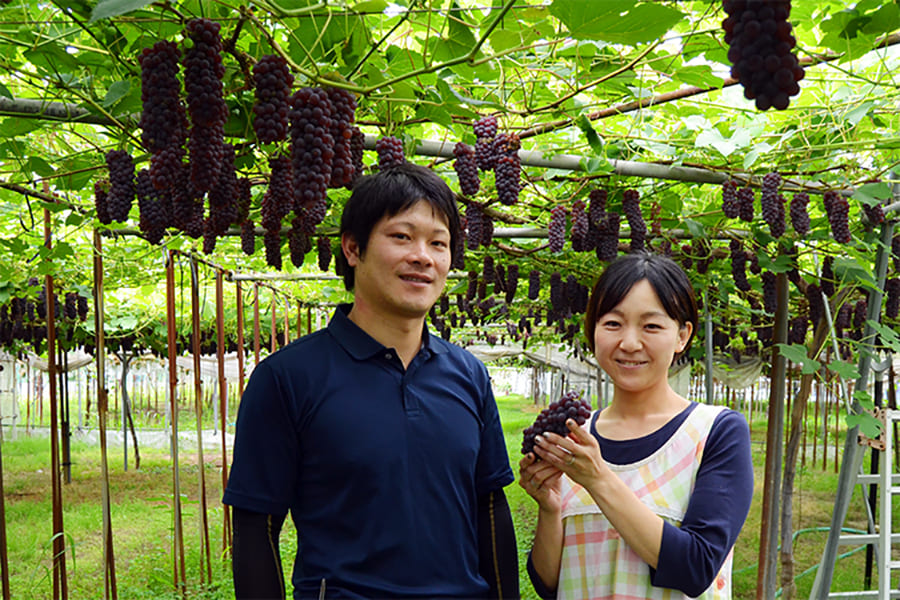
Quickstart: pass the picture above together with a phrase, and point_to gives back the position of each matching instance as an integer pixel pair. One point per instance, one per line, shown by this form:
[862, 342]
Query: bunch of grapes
[390, 152]
[632, 207]
[826, 281]
[343, 114]
[310, 217]
[272, 82]
[534, 284]
[244, 199]
[892, 303]
[895, 251]
[730, 205]
[512, 282]
[153, 208]
[761, 42]
[739, 265]
[272, 243]
[797, 330]
[121, 185]
[474, 225]
[223, 197]
[874, 213]
[298, 242]
[772, 204]
[357, 150]
[312, 145]
[488, 274]
[485, 131]
[203, 71]
[163, 120]
[843, 319]
[279, 196]
[745, 199]
[101, 201]
[859, 317]
[209, 236]
[70, 305]
[507, 173]
[458, 259]
[553, 418]
[248, 237]
[556, 234]
[816, 303]
[81, 307]
[472, 287]
[608, 237]
[770, 295]
[799, 213]
[580, 227]
[838, 210]
[466, 169]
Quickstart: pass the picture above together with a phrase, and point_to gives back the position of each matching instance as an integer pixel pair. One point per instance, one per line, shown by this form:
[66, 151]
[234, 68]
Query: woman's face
[636, 341]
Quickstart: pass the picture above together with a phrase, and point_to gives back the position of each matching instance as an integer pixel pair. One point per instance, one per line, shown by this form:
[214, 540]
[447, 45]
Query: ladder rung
[865, 538]
[868, 479]
[894, 564]
[895, 489]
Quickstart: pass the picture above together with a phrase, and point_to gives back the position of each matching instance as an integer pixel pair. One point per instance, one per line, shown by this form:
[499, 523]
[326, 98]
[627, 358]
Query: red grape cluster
[892, 302]
[553, 418]
[163, 119]
[223, 197]
[248, 237]
[272, 243]
[507, 168]
[534, 284]
[272, 82]
[279, 196]
[761, 42]
[838, 210]
[203, 71]
[816, 303]
[772, 204]
[312, 216]
[466, 169]
[556, 233]
[826, 281]
[770, 295]
[859, 317]
[797, 330]
[580, 227]
[608, 237]
[357, 150]
[730, 205]
[121, 185]
[390, 152]
[101, 201]
[298, 242]
[799, 213]
[485, 131]
[343, 114]
[843, 319]
[557, 294]
[895, 251]
[631, 206]
[739, 265]
[153, 209]
[512, 282]
[874, 213]
[312, 145]
[488, 273]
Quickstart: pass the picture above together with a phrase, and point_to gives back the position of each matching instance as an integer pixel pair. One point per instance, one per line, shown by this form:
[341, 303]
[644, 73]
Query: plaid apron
[596, 562]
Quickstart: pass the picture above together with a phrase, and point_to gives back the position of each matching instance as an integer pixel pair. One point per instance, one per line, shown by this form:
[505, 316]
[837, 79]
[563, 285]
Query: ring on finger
[571, 460]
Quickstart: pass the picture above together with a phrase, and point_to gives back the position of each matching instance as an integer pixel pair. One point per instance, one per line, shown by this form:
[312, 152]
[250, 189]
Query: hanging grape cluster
[557, 229]
[121, 185]
[799, 213]
[730, 205]
[466, 169]
[838, 210]
[163, 119]
[631, 206]
[772, 204]
[153, 207]
[761, 43]
[272, 83]
[390, 152]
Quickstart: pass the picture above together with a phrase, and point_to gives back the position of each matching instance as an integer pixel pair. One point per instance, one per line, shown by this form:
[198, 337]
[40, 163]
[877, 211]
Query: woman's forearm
[546, 553]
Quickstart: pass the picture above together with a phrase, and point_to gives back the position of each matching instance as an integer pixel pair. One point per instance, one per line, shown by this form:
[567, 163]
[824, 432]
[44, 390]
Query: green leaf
[796, 353]
[700, 76]
[844, 370]
[872, 193]
[114, 8]
[622, 21]
[868, 424]
[590, 133]
[888, 336]
[116, 92]
[4, 91]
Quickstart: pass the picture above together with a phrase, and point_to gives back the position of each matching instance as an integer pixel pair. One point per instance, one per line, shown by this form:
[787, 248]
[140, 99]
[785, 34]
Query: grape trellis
[754, 142]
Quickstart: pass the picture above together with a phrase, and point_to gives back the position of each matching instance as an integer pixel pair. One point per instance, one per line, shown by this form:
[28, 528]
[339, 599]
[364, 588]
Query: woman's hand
[541, 480]
[577, 455]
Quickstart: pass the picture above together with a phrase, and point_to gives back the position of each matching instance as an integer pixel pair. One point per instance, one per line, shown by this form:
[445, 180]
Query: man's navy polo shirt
[380, 467]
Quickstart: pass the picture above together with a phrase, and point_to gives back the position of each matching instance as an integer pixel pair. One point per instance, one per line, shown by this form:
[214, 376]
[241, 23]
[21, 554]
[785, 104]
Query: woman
[647, 498]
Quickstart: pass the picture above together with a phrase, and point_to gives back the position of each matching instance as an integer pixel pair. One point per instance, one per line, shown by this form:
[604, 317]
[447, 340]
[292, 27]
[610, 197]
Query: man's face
[404, 267]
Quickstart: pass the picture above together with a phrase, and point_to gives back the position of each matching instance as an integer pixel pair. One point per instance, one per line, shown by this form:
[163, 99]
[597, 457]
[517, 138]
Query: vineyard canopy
[618, 95]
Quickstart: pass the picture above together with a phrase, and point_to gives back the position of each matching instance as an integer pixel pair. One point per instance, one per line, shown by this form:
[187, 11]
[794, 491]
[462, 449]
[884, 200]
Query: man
[382, 440]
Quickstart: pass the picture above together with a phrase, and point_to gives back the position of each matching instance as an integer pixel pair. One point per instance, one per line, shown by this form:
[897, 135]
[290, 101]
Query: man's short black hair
[387, 193]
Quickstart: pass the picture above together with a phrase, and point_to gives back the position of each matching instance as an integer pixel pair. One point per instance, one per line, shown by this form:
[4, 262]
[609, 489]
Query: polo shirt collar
[360, 345]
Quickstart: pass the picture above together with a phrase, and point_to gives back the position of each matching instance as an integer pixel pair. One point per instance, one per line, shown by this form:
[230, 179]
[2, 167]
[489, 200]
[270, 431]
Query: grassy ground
[142, 519]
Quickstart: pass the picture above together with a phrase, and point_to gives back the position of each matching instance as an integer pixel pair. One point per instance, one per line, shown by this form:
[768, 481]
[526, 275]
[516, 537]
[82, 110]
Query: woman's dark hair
[387, 193]
[667, 279]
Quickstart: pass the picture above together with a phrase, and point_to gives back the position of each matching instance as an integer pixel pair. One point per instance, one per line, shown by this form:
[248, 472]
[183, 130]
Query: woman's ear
[684, 334]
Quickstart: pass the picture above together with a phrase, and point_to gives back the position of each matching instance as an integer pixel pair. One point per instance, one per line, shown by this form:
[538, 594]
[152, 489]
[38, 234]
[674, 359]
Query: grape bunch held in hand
[553, 418]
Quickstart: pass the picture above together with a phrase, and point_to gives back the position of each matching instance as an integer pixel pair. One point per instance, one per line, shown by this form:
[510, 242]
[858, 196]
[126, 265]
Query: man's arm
[256, 559]
[498, 558]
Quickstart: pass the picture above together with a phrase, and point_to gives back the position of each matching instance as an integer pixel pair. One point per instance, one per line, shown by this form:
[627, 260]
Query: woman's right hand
[542, 482]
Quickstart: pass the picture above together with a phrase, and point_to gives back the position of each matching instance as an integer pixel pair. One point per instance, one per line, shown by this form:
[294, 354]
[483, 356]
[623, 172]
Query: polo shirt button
[388, 356]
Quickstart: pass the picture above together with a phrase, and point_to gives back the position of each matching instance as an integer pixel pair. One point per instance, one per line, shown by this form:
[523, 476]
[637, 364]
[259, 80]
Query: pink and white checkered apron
[596, 562]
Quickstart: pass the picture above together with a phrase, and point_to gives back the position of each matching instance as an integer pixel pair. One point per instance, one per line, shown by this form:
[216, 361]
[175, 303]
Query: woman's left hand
[577, 455]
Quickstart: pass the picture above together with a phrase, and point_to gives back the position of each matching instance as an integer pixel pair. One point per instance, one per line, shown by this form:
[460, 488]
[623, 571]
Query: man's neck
[403, 334]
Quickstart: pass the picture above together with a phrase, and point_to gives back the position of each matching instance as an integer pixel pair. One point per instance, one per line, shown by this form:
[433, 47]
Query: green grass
[142, 520]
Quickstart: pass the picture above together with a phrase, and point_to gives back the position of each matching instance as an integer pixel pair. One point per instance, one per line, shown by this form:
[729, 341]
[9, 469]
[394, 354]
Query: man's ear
[350, 249]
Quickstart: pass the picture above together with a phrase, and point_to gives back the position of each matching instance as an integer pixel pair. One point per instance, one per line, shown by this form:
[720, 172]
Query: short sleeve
[493, 471]
[264, 466]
